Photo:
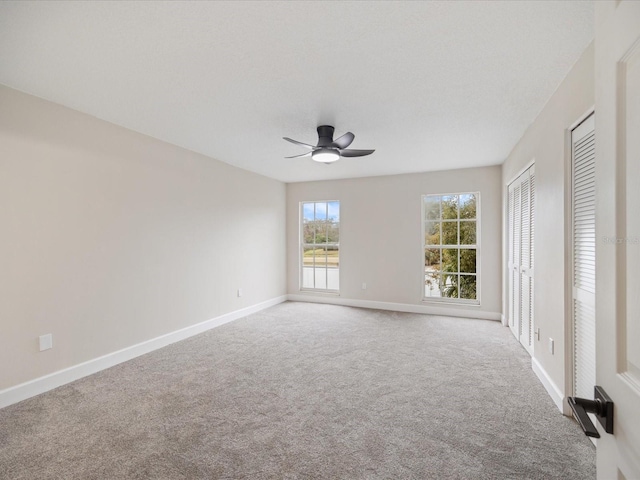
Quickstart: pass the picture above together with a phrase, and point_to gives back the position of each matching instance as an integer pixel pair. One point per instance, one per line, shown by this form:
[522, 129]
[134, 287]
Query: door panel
[583, 221]
[521, 214]
[525, 251]
[511, 263]
[618, 232]
[515, 271]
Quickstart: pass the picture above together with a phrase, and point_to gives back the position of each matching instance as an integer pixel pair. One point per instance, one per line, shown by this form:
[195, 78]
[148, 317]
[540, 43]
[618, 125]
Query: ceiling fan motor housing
[325, 135]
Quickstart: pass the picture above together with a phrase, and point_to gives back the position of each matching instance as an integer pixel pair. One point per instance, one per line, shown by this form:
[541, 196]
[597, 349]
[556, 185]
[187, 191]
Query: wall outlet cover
[46, 342]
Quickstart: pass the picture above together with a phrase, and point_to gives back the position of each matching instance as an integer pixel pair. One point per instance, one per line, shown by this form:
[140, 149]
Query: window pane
[432, 207]
[468, 205]
[308, 256]
[307, 277]
[307, 267]
[308, 231]
[450, 260]
[468, 287]
[321, 278]
[307, 212]
[333, 279]
[468, 232]
[320, 257]
[432, 284]
[449, 233]
[449, 287]
[333, 234]
[322, 227]
[450, 207]
[321, 211]
[432, 233]
[333, 211]
[332, 256]
[432, 259]
[467, 261]
[333, 270]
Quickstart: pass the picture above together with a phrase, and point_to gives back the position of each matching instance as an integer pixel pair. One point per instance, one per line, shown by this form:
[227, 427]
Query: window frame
[477, 247]
[302, 245]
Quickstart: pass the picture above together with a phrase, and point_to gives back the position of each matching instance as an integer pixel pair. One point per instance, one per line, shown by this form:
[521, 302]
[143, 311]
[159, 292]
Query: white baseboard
[397, 307]
[552, 389]
[56, 379]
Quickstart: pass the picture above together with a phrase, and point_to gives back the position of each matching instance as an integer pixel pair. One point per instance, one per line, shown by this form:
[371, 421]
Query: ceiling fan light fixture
[325, 155]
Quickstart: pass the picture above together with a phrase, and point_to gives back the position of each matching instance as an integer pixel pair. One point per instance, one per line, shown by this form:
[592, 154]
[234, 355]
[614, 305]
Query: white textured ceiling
[429, 85]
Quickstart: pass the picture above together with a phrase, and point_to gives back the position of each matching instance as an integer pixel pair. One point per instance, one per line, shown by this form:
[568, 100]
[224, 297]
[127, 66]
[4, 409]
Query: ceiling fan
[329, 150]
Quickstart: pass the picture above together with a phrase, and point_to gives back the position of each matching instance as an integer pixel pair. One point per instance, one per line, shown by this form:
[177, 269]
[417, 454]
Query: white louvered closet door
[525, 255]
[514, 249]
[526, 261]
[584, 257]
[511, 261]
[532, 208]
[521, 212]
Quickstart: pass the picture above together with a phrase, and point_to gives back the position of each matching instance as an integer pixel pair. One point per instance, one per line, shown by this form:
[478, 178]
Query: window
[451, 247]
[320, 246]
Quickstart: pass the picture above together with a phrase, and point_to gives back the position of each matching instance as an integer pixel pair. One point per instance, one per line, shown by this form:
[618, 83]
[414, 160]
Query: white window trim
[445, 300]
[301, 244]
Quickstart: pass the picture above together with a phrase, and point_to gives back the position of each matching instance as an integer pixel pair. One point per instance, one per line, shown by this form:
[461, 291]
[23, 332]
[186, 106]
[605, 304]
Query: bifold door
[521, 257]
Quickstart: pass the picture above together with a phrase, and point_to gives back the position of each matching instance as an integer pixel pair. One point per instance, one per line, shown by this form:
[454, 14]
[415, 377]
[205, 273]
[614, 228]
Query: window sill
[328, 293]
[467, 303]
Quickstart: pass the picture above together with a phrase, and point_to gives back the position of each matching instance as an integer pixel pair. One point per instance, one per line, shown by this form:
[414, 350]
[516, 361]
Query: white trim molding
[456, 311]
[552, 389]
[43, 384]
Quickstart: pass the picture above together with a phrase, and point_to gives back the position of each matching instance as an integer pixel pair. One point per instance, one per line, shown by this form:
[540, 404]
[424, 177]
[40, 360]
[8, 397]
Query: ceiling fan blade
[355, 153]
[308, 154]
[298, 143]
[344, 141]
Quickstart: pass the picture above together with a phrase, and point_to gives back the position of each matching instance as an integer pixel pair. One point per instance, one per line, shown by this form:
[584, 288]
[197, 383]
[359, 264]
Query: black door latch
[602, 406]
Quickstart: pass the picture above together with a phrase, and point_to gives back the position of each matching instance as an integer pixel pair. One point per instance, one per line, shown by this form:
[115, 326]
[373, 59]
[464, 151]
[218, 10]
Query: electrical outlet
[239, 292]
[46, 342]
[551, 346]
[364, 286]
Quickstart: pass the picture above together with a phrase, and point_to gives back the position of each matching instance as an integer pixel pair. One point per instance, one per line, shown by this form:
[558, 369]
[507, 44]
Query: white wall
[381, 234]
[547, 141]
[109, 238]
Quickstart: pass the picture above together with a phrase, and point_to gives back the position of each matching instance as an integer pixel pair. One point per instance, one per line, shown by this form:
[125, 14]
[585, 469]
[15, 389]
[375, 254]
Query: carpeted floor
[306, 391]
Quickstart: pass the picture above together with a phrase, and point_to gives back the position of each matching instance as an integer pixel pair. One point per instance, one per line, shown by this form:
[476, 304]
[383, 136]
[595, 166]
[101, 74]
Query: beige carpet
[306, 391]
